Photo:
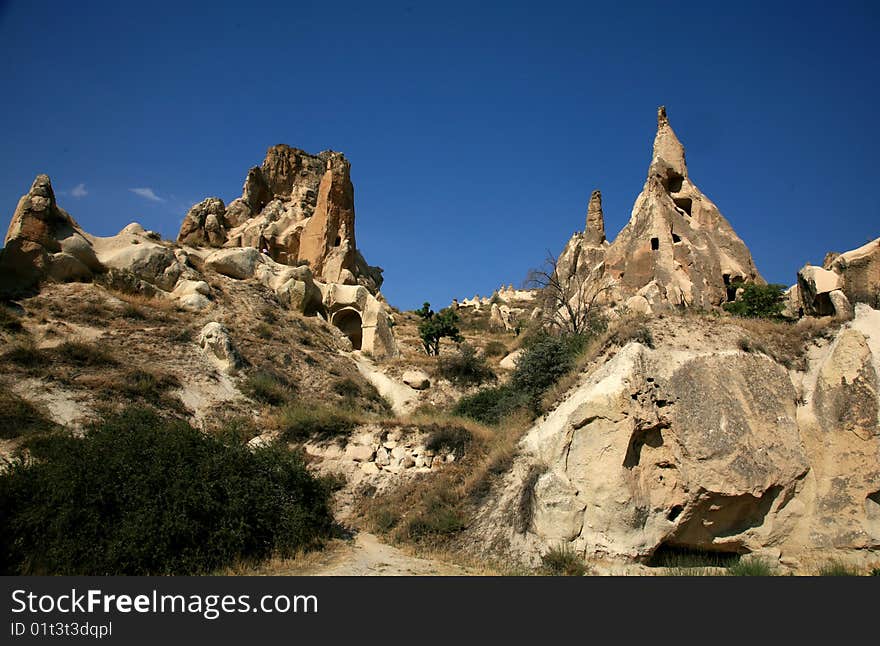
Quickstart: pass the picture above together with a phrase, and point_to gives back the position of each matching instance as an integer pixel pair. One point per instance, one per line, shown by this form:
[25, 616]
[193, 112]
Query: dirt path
[403, 398]
[367, 556]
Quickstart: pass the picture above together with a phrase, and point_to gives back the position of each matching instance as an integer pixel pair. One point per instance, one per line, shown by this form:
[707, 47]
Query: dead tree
[570, 303]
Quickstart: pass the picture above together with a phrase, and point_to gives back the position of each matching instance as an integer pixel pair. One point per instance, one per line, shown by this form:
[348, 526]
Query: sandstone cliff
[697, 444]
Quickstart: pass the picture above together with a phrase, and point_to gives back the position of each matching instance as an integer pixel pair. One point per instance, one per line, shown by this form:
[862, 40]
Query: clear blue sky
[476, 131]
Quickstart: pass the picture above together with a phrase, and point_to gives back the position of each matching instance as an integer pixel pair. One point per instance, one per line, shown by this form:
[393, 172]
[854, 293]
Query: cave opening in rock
[673, 181]
[676, 238]
[349, 321]
[684, 203]
[337, 241]
[674, 513]
[655, 244]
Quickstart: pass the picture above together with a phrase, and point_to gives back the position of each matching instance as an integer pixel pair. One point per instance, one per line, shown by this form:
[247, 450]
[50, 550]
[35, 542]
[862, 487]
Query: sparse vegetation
[838, 568]
[299, 421]
[25, 354]
[437, 326]
[83, 354]
[268, 387]
[18, 417]
[750, 567]
[495, 349]
[447, 439]
[466, 368]
[9, 322]
[144, 495]
[758, 301]
[563, 560]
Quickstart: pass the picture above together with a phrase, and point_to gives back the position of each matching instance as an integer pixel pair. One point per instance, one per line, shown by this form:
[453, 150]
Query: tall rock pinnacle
[595, 232]
[676, 250]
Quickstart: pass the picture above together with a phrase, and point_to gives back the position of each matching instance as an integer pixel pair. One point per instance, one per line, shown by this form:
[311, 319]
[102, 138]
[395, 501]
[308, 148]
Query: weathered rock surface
[416, 379]
[216, 343]
[677, 249]
[43, 241]
[703, 450]
[298, 209]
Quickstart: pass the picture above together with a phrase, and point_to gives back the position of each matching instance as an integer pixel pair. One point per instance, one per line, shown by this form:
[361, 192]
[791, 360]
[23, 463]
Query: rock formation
[45, 244]
[705, 448]
[298, 208]
[832, 290]
[677, 249]
[43, 241]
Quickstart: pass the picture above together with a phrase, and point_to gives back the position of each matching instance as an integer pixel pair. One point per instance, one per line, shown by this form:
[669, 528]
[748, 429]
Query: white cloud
[146, 193]
[79, 191]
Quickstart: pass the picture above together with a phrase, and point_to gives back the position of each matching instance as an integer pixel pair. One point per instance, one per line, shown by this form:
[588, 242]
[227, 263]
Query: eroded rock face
[297, 208]
[844, 280]
[703, 450]
[677, 249]
[43, 241]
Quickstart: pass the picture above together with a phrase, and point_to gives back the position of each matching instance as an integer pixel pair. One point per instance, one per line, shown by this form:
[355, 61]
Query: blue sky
[476, 131]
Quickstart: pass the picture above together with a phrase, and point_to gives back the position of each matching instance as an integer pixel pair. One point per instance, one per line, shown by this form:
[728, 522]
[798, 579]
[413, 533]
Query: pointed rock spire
[595, 231]
[668, 161]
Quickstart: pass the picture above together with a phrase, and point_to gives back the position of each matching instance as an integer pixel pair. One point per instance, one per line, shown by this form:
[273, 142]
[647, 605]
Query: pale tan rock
[676, 239]
[359, 452]
[416, 379]
[216, 343]
[509, 361]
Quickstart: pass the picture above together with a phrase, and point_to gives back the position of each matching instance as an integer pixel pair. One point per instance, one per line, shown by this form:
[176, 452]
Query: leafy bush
[347, 388]
[436, 326]
[143, 495]
[267, 387]
[563, 561]
[543, 363]
[299, 421]
[144, 385]
[466, 368]
[490, 405]
[19, 417]
[758, 301]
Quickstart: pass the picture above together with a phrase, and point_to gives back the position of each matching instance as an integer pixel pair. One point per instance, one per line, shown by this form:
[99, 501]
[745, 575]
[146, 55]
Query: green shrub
[436, 326]
[299, 421]
[142, 495]
[133, 312]
[758, 301]
[490, 405]
[563, 561]
[466, 368]
[19, 417]
[267, 387]
[264, 330]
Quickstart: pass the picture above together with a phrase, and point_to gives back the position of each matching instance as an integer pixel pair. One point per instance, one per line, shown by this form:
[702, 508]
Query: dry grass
[784, 342]
[429, 512]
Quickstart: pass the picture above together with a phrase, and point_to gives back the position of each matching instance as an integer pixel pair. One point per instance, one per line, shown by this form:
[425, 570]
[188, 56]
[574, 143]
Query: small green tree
[435, 326]
[758, 301]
